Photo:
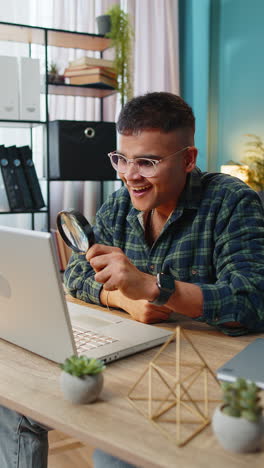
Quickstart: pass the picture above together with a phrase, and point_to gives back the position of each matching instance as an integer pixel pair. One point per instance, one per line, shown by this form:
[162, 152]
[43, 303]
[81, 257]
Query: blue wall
[222, 74]
[241, 76]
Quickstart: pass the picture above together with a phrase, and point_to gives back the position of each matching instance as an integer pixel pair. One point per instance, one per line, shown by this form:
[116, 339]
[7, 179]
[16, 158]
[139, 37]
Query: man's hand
[141, 310]
[144, 312]
[118, 274]
[115, 271]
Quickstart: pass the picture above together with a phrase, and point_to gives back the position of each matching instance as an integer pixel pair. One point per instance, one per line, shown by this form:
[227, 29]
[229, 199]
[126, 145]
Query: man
[172, 239]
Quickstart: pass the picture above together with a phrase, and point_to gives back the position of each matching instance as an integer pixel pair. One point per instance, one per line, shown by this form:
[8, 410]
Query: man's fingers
[153, 317]
[104, 276]
[152, 313]
[100, 249]
[99, 262]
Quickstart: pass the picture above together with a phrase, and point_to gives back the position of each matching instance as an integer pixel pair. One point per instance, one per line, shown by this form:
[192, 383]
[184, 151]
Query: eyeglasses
[146, 167]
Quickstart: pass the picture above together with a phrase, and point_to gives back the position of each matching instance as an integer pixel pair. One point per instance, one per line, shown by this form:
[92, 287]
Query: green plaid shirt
[214, 239]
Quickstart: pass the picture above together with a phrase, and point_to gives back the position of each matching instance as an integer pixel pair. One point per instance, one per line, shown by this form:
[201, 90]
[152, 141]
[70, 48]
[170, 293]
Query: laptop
[35, 315]
[247, 364]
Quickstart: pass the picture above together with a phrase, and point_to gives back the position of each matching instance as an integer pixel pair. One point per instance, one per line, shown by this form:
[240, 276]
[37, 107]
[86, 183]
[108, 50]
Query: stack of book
[89, 70]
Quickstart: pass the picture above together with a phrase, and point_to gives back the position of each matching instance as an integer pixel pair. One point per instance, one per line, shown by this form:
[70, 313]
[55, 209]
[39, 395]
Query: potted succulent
[53, 74]
[81, 379]
[238, 424]
[121, 35]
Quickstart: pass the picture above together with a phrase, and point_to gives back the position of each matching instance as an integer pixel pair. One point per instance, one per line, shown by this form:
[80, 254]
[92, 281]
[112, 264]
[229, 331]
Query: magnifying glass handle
[91, 238]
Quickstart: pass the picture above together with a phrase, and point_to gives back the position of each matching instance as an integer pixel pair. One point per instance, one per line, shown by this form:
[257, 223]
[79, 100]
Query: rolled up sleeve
[238, 293]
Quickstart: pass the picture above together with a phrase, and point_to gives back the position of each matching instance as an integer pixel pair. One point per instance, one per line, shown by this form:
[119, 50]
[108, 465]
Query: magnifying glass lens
[75, 230]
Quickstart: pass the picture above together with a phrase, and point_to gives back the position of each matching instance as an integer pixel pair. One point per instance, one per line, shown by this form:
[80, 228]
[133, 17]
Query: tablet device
[247, 364]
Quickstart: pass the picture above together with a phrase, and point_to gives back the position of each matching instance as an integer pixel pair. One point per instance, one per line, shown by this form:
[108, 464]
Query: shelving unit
[90, 90]
[21, 33]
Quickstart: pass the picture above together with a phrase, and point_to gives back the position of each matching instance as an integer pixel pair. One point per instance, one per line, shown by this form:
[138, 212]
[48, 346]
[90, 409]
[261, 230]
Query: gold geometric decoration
[173, 394]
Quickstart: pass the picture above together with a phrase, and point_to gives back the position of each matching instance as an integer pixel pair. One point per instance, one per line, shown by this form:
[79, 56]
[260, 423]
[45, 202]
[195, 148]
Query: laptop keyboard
[86, 340]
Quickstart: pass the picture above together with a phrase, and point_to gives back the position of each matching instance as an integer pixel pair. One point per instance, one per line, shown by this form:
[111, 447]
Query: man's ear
[190, 158]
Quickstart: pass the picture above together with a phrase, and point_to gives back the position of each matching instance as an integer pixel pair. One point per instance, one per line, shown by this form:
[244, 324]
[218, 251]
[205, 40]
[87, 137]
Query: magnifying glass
[75, 230]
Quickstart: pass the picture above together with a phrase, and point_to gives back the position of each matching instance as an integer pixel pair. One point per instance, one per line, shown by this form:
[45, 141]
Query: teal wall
[241, 76]
[222, 74]
[194, 65]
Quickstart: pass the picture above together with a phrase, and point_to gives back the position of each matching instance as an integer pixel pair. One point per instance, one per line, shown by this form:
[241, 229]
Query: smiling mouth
[140, 189]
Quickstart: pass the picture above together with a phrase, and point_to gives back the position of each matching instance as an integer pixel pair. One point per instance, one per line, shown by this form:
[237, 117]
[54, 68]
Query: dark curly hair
[160, 110]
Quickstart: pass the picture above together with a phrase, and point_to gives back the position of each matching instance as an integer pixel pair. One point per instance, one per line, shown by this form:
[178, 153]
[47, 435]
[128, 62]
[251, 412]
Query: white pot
[237, 434]
[81, 390]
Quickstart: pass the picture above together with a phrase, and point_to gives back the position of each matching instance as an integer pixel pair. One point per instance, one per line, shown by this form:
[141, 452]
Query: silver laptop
[247, 364]
[34, 313]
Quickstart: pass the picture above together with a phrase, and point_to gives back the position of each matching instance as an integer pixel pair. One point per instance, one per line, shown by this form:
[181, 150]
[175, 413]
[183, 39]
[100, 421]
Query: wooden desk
[29, 384]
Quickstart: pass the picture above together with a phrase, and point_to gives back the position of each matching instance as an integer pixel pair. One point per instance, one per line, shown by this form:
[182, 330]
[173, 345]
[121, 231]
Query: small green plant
[80, 366]
[53, 69]
[241, 400]
[122, 35]
[255, 161]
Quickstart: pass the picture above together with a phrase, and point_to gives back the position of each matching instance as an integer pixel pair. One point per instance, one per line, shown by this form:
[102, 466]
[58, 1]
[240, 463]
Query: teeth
[140, 188]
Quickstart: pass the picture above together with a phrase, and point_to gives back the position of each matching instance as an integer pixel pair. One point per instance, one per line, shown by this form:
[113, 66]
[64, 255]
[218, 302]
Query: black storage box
[78, 150]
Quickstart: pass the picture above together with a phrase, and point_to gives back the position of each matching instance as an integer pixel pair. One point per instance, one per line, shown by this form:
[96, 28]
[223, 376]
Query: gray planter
[81, 390]
[52, 78]
[103, 24]
[237, 434]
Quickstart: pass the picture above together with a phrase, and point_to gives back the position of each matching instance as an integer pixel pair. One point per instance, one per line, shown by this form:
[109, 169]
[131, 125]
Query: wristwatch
[166, 285]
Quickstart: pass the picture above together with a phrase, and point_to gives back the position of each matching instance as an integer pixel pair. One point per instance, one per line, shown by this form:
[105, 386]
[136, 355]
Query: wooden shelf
[91, 90]
[55, 37]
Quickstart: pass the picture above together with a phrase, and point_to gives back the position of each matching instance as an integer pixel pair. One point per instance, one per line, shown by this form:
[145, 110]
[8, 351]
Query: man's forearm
[114, 299]
[187, 299]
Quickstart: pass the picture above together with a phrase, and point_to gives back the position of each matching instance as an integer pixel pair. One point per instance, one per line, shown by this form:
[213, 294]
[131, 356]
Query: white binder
[29, 89]
[9, 88]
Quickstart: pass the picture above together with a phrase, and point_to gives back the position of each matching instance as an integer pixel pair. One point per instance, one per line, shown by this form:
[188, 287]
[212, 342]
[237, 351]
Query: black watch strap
[166, 285]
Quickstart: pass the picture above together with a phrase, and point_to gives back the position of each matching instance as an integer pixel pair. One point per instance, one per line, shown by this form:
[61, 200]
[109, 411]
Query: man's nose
[132, 170]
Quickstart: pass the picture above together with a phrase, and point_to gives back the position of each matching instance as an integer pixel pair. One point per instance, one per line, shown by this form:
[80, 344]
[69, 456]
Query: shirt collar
[192, 192]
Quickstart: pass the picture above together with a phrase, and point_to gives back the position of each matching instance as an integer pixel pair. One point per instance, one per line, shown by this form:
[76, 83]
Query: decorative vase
[103, 24]
[81, 390]
[237, 434]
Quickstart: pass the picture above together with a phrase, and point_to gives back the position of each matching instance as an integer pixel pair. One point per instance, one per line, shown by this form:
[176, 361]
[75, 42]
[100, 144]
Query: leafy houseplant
[255, 161]
[238, 423]
[81, 379]
[121, 35]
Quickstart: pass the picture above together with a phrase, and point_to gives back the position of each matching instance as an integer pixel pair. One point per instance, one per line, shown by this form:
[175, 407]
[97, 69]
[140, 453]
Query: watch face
[166, 286]
[166, 282]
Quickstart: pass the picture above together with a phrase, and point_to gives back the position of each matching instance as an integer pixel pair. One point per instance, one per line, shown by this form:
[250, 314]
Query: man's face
[163, 190]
